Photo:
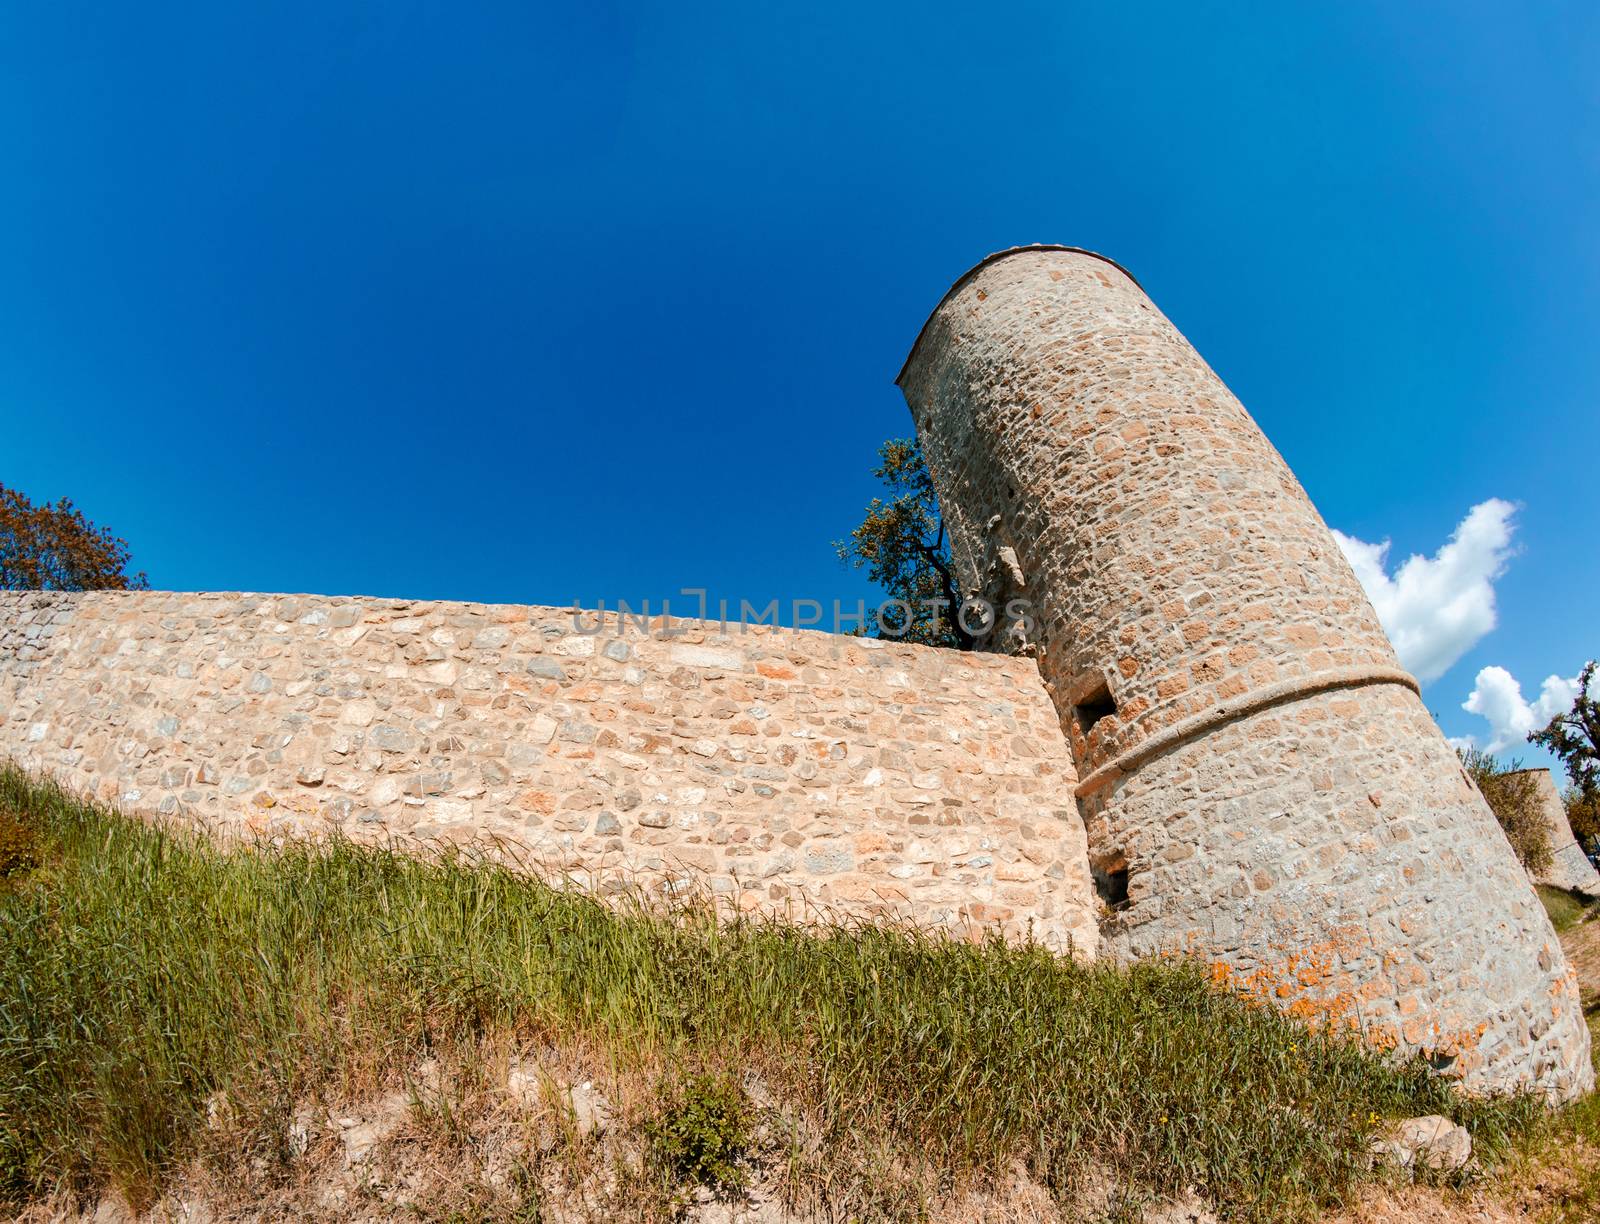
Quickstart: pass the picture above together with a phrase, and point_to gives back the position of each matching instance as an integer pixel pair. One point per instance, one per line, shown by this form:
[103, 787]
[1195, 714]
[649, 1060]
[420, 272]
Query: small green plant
[701, 1131]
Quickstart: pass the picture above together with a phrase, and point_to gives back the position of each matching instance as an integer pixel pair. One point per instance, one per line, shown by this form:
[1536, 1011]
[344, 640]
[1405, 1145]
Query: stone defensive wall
[798, 772]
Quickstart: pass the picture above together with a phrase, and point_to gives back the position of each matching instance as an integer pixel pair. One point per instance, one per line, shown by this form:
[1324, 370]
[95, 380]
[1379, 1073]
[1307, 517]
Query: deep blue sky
[533, 303]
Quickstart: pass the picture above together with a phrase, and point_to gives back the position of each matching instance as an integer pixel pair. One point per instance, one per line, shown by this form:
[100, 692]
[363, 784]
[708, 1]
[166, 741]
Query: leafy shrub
[701, 1131]
[1583, 814]
[1513, 797]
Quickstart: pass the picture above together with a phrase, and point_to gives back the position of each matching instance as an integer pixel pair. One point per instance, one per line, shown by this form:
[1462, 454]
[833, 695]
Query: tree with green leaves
[53, 547]
[1575, 738]
[1583, 815]
[903, 546]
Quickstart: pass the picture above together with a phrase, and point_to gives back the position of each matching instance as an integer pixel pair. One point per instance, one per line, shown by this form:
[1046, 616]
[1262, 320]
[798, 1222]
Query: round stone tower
[1261, 784]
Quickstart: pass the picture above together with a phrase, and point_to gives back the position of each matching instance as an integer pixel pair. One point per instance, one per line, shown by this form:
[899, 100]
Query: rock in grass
[362, 1135]
[591, 1112]
[1429, 1142]
[588, 1108]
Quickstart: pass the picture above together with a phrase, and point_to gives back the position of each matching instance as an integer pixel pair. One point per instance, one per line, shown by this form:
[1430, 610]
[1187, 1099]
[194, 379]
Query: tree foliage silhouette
[1575, 738]
[903, 547]
[54, 547]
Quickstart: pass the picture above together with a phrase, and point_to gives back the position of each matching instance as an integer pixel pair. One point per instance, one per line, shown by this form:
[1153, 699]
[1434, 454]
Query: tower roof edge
[996, 257]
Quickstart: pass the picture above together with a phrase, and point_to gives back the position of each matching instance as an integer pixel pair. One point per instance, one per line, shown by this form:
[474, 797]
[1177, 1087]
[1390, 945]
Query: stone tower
[1261, 784]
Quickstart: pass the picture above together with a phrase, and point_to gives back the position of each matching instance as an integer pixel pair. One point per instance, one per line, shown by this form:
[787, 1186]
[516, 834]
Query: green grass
[1566, 908]
[142, 970]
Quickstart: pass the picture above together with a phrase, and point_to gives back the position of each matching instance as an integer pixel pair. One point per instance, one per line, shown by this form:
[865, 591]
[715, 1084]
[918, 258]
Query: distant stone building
[1569, 867]
[1260, 782]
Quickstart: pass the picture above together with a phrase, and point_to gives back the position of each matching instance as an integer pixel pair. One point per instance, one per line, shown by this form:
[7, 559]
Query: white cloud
[1498, 697]
[1436, 608]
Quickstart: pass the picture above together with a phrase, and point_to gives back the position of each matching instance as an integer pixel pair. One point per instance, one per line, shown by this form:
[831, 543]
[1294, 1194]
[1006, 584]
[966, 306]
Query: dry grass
[167, 1007]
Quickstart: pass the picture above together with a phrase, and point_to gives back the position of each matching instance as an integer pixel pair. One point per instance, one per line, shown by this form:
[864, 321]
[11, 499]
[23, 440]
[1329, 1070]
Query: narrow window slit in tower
[1092, 708]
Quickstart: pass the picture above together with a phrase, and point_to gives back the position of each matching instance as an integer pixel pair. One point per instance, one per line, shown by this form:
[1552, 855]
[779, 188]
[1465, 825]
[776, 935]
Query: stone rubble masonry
[1260, 783]
[1570, 867]
[798, 772]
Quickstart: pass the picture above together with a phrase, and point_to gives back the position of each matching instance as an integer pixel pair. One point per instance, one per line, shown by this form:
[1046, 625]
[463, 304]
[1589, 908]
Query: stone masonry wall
[1259, 780]
[789, 770]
